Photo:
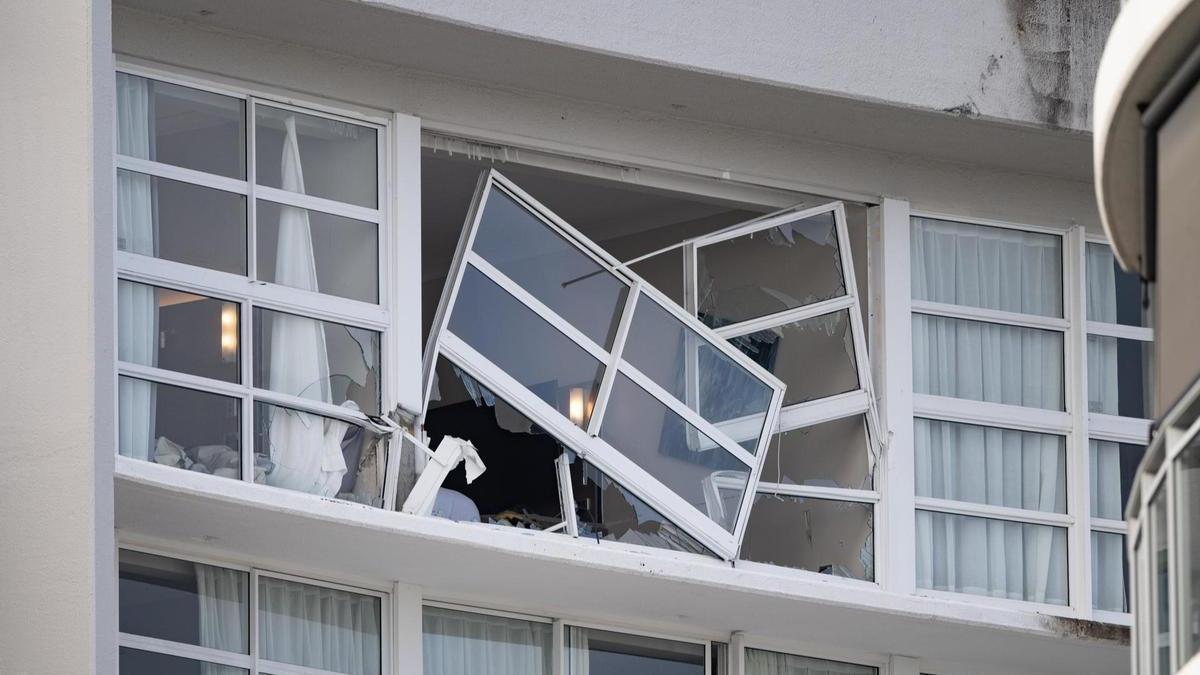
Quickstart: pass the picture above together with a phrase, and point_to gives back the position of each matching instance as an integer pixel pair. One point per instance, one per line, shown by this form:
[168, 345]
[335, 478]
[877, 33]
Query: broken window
[638, 390]
[782, 289]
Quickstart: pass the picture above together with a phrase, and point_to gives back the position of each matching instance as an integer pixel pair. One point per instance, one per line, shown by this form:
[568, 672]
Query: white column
[406, 630]
[406, 261]
[903, 665]
[891, 361]
[57, 286]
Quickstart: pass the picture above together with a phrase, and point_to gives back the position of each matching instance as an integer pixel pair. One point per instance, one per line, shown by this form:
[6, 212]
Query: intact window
[251, 318]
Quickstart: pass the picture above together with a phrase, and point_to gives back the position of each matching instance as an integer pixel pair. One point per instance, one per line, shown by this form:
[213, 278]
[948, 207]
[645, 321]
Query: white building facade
[405, 337]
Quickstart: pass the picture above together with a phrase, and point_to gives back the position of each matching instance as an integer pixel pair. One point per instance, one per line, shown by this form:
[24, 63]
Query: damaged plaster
[1061, 42]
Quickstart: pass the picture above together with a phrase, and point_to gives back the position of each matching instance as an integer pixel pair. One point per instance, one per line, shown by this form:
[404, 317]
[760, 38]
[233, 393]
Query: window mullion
[614, 360]
[248, 346]
[1079, 498]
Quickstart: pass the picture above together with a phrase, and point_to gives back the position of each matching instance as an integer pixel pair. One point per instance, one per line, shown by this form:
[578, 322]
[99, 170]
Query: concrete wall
[1026, 61]
[57, 601]
[1026, 193]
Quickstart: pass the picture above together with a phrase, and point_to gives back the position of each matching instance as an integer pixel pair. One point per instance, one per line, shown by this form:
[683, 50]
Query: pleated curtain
[1004, 270]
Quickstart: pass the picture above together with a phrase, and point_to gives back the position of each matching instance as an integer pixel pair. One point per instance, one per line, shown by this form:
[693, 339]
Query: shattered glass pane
[673, 451]
[769, 271]
[608, 511]
[520, 486]
[523, 345]
[695, 372]
[318, 455]
[813, 357]
[819, 535]
[550, 268]
[833, 454]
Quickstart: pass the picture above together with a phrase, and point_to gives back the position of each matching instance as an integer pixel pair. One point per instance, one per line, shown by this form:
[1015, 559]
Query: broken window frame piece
[587, 443]
[860, 401]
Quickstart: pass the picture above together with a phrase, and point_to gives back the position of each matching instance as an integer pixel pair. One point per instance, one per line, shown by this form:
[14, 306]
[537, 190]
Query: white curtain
[1108, 574]
[305, 448]
[137, 305]
[578, 651]
[761, 662]
[463, 643]
[318, 627]
[222, 593]
[1011, 271]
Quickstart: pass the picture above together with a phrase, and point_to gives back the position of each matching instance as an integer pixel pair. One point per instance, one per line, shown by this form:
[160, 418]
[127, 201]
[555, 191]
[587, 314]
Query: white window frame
[251, 661]
[388, 317]
[587, 444]
[860, 401]
[1102, 427]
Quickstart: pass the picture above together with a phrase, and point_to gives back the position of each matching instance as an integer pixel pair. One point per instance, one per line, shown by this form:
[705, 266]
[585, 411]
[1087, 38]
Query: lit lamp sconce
[579, 406]
[229, 332]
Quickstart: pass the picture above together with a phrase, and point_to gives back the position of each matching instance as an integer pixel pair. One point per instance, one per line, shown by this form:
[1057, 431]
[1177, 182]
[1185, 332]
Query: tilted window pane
[1118, 376]
[601, 652]
[522, 344]
[316, 156]
[318, 627]
[520, 486]
[1113, 469]
[179, 427]
[696, 373]
[319, 360]
[178, 331]
[769, 271]
[606, 510]
[1113, 296]
[1110, 572]
[183, 601]
[319, 252]
[1187, 538]
[141, 662]
[814, 357]
[987, 362]
[181, 222]
[830, 454]
[550, 268]
[177, 125]
[319, 455]
[996, 558]
[466, 643]
[685, 460]
[988, 267]
[819, 535]
[989, 465]
[762, 662]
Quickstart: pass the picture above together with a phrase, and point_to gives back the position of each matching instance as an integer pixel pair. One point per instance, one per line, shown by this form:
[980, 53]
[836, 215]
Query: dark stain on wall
[1062, 41]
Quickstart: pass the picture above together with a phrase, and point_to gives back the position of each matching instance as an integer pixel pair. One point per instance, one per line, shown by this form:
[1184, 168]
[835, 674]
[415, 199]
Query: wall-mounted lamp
[229, 332]
[575, 405]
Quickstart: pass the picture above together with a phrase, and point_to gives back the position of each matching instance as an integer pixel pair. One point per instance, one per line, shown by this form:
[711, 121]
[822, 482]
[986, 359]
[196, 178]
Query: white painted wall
[1026, 61]
[57, 597]
[623, 135]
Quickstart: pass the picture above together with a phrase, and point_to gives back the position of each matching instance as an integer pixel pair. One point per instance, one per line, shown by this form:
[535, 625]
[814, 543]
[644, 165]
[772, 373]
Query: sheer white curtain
[1108, 570]
[307, 456]
[222, 594]
[1012, 271]
[137, 305]
[761, 662]
[579, 660]
[464, 643]
[318, 627]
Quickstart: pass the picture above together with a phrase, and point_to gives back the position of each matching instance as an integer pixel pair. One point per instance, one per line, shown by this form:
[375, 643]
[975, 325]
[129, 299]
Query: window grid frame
[251, 661]
[858, 401]
[1065, 422]
[587, 443]
[249, 293]
[1107, 428]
